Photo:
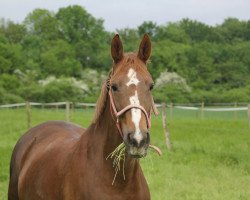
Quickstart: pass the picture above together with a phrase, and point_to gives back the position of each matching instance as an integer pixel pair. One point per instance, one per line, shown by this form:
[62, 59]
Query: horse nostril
[131, 140]
[134, 142]
[145, 140]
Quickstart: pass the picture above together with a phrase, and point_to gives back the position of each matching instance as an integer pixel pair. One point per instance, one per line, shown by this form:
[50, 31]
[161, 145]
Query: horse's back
[41, 149]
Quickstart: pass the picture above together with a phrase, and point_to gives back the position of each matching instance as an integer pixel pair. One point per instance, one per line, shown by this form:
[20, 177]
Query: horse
[60, 160]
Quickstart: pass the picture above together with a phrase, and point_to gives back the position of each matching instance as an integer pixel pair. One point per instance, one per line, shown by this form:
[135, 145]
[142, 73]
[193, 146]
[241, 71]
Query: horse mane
[101, 102]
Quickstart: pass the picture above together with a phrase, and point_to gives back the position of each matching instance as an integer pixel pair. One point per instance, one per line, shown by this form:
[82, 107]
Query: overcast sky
[131, 13]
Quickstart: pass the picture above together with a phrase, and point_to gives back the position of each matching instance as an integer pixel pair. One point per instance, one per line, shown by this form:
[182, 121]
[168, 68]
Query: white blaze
[134, 100]
[132, 77]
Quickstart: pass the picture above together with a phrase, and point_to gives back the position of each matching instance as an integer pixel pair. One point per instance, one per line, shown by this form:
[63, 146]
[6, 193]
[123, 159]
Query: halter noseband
[122, 111]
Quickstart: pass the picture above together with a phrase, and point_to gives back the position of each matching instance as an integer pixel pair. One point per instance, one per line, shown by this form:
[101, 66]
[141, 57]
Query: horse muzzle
[137, 144]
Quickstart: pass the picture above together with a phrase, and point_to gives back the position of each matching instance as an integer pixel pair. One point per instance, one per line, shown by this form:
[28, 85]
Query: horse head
[130, 86]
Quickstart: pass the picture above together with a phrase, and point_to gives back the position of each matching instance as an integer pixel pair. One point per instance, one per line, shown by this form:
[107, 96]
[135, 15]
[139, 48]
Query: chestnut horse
[58, 160]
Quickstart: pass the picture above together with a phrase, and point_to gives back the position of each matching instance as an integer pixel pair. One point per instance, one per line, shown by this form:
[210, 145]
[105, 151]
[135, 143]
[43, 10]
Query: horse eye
[114, 87]
[151, 87]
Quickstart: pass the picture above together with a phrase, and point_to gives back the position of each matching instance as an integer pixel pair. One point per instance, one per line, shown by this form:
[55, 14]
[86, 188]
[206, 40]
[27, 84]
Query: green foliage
[10, 57]
[42, 23]
[59, 59]
[61, 91]
[54, 91]
[8, 98]
[149, 27]
[9, 82]
[67, 43]
[173, 32]
[14, 32]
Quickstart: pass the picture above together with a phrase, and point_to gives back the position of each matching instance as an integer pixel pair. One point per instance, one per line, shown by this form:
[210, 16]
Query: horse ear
[116, 49]
[145, 48]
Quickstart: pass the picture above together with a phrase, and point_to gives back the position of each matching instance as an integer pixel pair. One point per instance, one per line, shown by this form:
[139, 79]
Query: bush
[220, 96]
[9, 82]
[32, 93]
[8, 98]
[237, 95]
[170, 93]
[62, 91]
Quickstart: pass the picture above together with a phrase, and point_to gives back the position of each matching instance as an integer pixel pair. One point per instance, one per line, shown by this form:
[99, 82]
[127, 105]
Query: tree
[76, 24]
[198, 31]
[173, 32]
[59, 59]
[148, 27]
[86, 33]
[233, 29]
[42, 23]
[10, 57]
[13, 32]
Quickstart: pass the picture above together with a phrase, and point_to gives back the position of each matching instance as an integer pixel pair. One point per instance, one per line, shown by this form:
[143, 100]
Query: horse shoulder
[44, 160]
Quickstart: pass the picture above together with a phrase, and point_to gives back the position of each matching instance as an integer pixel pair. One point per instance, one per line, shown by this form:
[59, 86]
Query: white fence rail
[33, 104]
[212, 109]
[178, 106]
[12, 105]
[86, 104]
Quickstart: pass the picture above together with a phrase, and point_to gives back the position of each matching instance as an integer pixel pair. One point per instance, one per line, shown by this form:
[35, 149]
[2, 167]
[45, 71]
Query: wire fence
[168, 111]
[193, 110]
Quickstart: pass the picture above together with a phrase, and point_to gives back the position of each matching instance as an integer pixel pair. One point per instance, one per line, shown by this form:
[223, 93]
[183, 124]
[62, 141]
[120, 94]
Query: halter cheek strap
[122, 111]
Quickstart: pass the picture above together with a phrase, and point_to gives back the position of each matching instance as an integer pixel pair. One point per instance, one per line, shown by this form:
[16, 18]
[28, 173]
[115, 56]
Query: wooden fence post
[72, 110]
[67, 111]
[28, 112]
[165, 128]
[249, 115]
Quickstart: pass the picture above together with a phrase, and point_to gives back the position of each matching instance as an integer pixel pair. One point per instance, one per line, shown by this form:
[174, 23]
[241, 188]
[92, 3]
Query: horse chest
[111, 195]
[93, 187]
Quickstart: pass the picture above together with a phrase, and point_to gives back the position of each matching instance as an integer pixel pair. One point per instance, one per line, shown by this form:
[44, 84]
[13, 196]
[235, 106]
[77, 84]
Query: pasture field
[210, 159]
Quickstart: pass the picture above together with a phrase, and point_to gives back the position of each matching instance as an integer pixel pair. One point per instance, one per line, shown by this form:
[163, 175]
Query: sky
[118, 14]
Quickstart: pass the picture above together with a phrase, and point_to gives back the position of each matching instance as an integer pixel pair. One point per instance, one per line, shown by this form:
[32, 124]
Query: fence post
[72, 110]
[165, 128]
[67, 111]
[249, 115]
[202, 110]
[28, 112]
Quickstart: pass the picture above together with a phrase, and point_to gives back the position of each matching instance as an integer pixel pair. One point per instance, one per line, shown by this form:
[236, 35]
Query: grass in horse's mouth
[118, 156]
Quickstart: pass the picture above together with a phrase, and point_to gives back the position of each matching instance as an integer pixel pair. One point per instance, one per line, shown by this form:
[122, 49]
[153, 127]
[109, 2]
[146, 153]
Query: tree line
[65, 56]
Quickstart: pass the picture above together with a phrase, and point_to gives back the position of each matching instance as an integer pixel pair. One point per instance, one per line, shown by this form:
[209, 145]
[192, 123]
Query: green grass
[210, 157]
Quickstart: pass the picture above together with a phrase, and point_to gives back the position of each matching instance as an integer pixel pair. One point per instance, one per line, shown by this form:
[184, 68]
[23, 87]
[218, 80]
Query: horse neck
[106, 131]
[104, 137]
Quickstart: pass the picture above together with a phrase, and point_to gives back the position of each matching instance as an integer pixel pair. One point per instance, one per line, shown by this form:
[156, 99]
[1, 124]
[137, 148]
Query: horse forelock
[130, 60]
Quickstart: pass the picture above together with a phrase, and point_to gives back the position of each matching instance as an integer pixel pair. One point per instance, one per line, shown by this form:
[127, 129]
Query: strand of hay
[118, 155]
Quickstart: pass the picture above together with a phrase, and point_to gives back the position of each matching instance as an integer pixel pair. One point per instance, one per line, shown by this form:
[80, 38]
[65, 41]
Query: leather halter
[117, 114]
[122, 111]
